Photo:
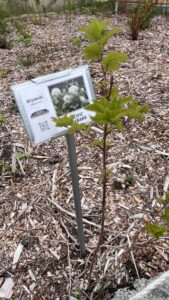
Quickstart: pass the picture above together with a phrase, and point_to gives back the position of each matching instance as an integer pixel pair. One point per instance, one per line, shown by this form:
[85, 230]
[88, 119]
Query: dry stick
[132, 256]
[68, 233]
[70, 274]
[18, 217]
[61, 209]
[6, 271]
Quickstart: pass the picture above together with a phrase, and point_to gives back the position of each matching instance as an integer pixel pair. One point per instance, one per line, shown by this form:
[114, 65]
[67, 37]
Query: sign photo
[54, 95]
[69, 95]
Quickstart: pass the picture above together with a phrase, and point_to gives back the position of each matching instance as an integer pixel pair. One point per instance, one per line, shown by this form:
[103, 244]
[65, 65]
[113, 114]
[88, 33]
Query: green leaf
[93, 52]
[106, 36]
[114, 92]
[77, 127]
[111, 62]
[166, 214]
[105, 113]
[94, 30]
[68, 121]
[164, 199]
[113, 110]
[97, 143]
[136, 111]
[156, 230]
[1, 119]
[76, 42]
[23, 155]
[167, 196]
[108, 171]
[64, 121]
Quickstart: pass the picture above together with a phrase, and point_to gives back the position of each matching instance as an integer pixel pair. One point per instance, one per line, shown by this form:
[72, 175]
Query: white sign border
[47, 81]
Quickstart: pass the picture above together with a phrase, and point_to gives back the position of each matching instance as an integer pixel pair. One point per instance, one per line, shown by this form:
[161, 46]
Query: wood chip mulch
[39, 248]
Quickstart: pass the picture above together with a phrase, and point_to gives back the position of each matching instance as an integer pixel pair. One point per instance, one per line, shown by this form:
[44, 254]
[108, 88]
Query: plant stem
[104, 189]
[104, 183]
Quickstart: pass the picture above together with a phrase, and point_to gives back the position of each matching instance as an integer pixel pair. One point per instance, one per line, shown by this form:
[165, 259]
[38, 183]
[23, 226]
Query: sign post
[76, 191]
[55, 95]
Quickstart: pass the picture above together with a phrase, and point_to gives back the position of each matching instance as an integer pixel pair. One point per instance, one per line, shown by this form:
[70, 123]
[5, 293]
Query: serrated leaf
[76, 127]
[111, 62]
[107, 35]
[93, 52]
[98, 105]
[113, 110]
[166, 214]
[64, 121]
[94, 30]
[136, 111]
[156, 230]
[97, 143]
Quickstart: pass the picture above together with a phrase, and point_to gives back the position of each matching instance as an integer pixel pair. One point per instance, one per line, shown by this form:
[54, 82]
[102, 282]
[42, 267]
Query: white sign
[54, 95]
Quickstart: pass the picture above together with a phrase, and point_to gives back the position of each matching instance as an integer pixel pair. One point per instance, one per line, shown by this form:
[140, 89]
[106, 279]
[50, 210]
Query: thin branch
[132, 256]
[110, 88]
[70, 269]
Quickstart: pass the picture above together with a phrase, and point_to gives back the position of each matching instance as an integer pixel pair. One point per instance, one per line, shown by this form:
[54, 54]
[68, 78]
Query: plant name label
[54, 95]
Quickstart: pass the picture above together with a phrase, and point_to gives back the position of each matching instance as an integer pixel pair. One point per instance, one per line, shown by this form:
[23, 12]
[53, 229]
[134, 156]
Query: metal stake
[76, 190]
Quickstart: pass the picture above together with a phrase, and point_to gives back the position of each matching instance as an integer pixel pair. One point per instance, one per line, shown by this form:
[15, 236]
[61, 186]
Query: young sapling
[110, 109]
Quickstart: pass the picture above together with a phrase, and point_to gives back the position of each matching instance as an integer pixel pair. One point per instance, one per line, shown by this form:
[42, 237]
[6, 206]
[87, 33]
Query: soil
[49, 265]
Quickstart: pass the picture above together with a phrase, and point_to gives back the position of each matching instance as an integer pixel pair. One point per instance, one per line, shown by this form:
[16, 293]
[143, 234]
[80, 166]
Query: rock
[152, 289]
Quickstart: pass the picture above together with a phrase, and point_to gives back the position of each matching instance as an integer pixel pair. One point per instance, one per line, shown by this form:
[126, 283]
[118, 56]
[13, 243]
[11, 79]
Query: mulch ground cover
[37, 216]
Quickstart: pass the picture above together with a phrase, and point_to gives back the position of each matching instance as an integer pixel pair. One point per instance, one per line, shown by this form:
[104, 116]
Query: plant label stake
[76, 190]
[43, 99]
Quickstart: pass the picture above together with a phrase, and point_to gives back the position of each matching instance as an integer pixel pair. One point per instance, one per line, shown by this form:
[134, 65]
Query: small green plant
[50, 37]
[110, 109]
[37, 17]
[149, 11]
[4, 167]
[129, 180]
[24, 35]
[1, 119]
[36, 20]
[97, 6]
[17, 7]
[69, 6]
[76, 42]
[26, 61]
[38, 5]
[3, 27]
[3, 74]
[159, 230]
[23, 156]
[139, 18]
[4, 10]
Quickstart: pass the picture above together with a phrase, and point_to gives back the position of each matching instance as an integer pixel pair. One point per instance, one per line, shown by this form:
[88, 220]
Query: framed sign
[54, 95]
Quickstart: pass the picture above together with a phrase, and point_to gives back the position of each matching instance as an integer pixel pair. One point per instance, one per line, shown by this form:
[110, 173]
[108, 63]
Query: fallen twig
[132, 256]
[60, 208]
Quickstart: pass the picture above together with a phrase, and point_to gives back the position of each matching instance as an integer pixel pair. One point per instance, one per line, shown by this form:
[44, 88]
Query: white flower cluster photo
[69, 95]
